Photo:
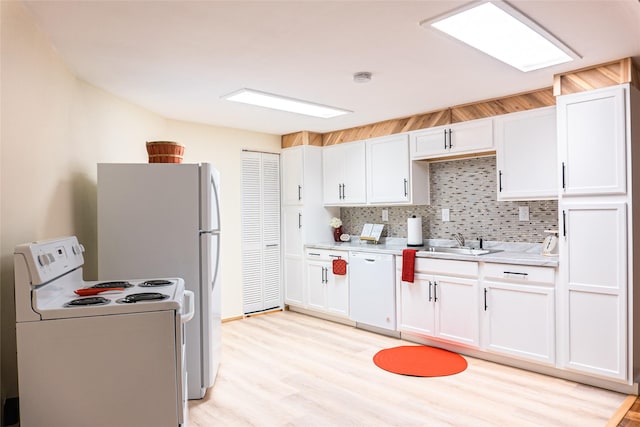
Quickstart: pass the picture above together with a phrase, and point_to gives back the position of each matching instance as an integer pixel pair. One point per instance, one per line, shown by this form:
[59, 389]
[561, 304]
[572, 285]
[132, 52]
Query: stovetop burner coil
[80, 302]
[155, 283]
[144, 296]
[114, 284]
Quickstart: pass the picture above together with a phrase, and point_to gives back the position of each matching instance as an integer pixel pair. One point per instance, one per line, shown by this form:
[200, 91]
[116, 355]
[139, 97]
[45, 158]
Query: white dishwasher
[372, 291]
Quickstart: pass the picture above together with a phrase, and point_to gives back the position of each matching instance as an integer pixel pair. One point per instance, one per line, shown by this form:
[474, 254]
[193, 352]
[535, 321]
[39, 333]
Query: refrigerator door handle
[210, 305]
[209, 197]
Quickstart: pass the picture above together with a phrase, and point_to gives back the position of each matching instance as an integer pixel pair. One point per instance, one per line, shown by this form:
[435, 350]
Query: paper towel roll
[414, 231]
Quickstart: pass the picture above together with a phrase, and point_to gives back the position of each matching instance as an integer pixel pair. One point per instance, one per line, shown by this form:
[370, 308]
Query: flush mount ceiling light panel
[499, 30]
[283, 103]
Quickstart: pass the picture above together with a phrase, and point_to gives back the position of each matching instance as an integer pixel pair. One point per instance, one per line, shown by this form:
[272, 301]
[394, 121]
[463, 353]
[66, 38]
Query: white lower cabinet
[326, 292]
[417, 306]
[593, 246]
[519, 311]
[438, 304]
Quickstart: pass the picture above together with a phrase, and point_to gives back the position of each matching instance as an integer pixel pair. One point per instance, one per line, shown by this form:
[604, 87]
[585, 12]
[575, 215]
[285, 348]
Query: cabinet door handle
[271, 245]
[450, 144]
[563, 177]
[435, 291]
[299, 220]
[564, 223]
[340, 191]
[324, 271]
[299, 192]
[499, 181]
[406, 190]
[485, 299]
[430, 290]
[344, 192]
[445, 139]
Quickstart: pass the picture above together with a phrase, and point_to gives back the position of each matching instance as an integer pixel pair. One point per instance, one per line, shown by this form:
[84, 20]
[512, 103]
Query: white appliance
[111, 359]
[163, 219]
[372, 293]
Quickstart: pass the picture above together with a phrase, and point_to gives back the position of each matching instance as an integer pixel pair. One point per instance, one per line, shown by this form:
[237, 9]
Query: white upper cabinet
[592, 142]
[343, 172]
[474, 136]
[526, 152]
[391, 177]
[292, 161]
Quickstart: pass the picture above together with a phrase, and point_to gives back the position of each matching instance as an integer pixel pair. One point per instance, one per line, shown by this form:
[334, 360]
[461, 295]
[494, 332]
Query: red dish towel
[339, 267]
[408, 264]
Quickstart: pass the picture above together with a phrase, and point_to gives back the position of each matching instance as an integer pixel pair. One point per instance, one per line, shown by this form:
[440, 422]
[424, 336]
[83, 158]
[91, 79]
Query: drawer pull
[314, 254]
[515, 272]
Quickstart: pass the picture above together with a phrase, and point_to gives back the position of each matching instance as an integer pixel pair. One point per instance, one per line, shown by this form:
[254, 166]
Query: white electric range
[97, 353]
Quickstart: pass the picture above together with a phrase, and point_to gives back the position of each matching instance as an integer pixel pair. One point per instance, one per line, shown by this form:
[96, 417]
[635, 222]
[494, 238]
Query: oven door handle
[189, 300]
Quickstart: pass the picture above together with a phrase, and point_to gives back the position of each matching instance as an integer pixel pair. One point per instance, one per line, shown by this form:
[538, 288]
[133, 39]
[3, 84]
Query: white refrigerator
[163, 220]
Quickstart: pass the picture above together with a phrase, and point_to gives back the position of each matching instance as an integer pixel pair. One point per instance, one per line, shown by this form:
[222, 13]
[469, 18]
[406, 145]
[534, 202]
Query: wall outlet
[385, 214]
[445, 214]
[523, 213]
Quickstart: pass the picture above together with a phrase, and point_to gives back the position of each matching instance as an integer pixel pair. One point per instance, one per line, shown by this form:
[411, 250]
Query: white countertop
[511, 253]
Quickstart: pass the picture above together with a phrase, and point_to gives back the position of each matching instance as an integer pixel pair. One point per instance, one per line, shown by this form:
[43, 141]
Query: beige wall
[223, 148]
[54, 129]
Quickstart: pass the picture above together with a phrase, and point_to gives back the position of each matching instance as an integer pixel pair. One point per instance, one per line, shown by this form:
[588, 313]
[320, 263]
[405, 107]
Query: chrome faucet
[459, 238]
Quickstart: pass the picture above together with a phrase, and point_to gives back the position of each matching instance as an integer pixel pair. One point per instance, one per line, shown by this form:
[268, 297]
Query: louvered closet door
[271, 230]
[260, 231]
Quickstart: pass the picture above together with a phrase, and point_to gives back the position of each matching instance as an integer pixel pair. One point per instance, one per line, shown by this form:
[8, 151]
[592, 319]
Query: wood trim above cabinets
[509, 104]
[477, 110]
[301, 138]
[388, 127]
[597, 76]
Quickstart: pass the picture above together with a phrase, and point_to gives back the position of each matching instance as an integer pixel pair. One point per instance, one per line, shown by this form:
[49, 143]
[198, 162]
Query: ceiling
[177, 58]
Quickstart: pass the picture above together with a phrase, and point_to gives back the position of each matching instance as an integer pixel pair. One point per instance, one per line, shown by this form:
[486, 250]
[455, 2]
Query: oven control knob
[43, 260]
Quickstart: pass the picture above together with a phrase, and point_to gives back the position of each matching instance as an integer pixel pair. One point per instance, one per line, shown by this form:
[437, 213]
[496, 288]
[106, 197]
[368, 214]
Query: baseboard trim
[618, 416]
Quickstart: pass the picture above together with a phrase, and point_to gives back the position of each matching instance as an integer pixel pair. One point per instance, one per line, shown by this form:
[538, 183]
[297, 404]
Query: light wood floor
[288, 369]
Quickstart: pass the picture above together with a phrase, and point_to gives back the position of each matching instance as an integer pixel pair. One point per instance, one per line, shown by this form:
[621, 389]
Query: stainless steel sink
[461, 251]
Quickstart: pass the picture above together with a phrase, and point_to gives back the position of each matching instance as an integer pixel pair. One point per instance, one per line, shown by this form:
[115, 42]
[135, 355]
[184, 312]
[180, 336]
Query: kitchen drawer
[325, 254]
[519, 273]
[444, 267]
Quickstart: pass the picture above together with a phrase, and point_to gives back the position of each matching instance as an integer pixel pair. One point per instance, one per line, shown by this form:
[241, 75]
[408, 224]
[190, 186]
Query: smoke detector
[362, 77]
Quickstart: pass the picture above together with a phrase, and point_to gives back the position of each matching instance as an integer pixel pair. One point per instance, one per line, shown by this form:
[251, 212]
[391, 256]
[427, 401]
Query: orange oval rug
[420, 361]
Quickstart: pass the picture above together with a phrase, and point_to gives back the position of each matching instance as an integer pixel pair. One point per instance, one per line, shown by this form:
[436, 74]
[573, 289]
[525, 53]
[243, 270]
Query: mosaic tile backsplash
[468, 189]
